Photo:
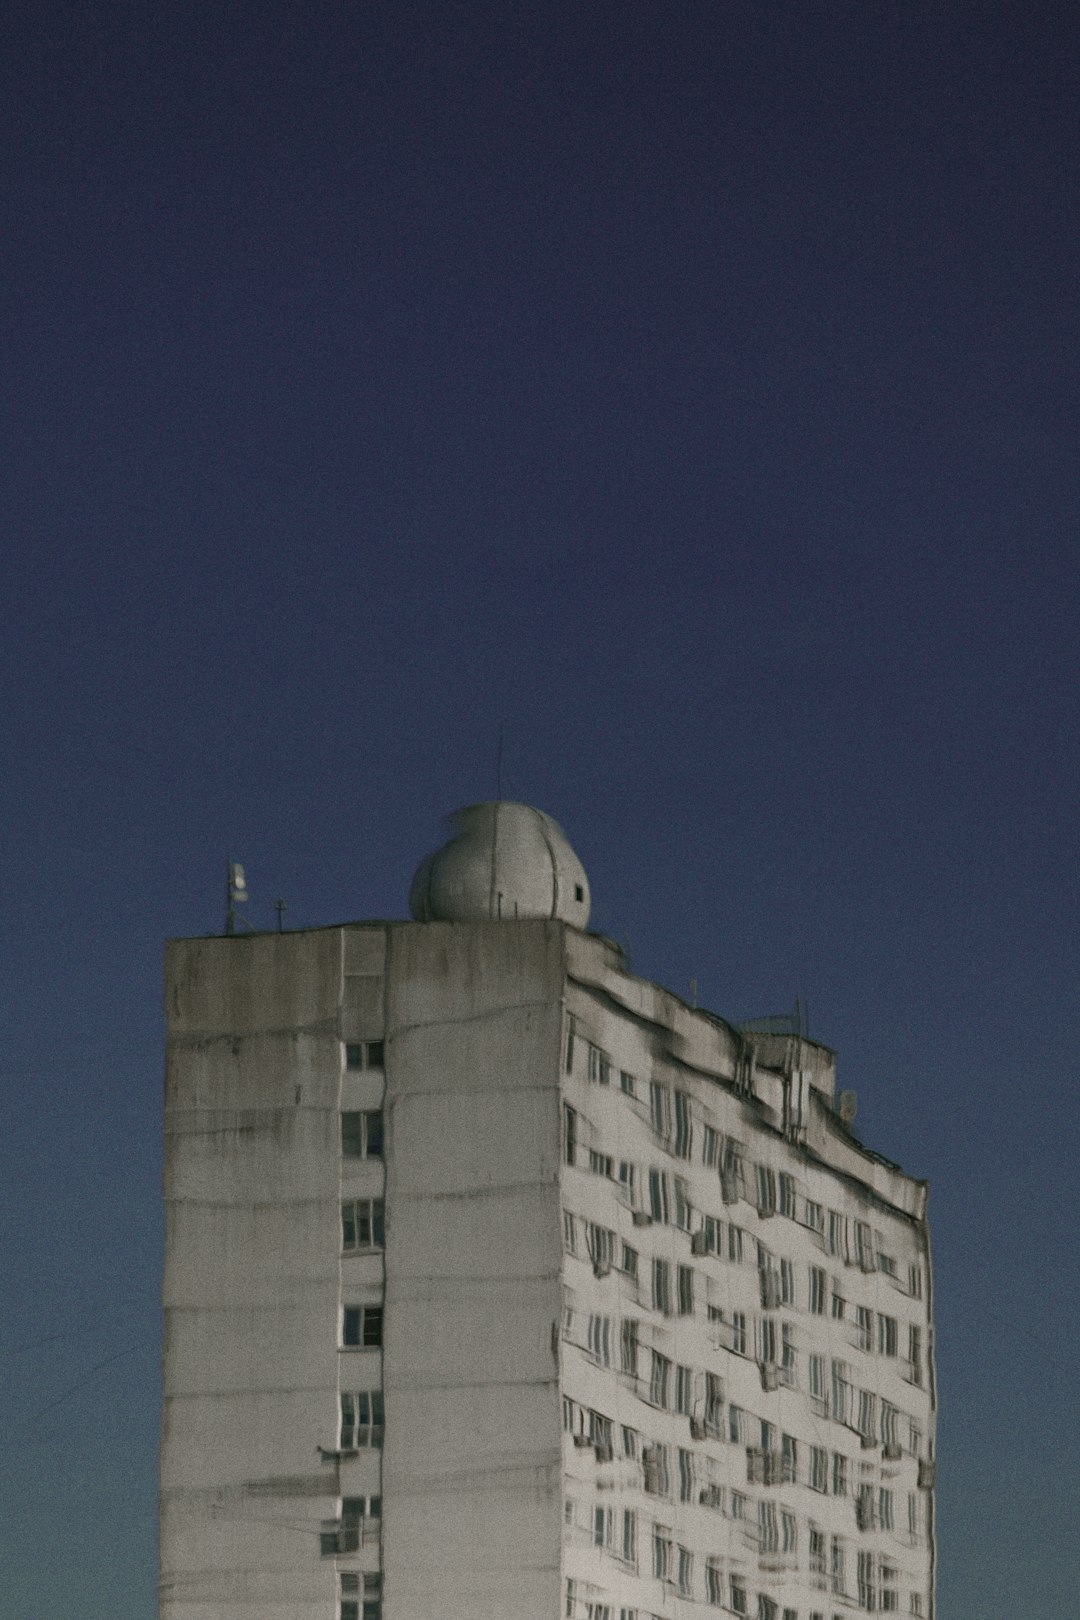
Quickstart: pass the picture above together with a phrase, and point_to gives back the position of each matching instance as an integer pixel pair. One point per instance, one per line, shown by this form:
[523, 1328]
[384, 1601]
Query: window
[736, 1425]
[603, 1526]
[867, 1414]
[658, 1383]
[766, 1608]
[766, 1336]
[361, 1420]
[886, 1263]
[362, 1134]
[817, 1380]
[788, 1359]
[569, 1132]
[738, 1506]
[766, 1190]
[714, 1583]
[684, 1380]
[885, 1508]
[915, 1282]
[626, 1083]
[837, 1564]
[629, 1346]
[789, 1531]
[569, 1232]
[866, 1580]
[686, 1290]
[714, 1404]
[599, 1066]
[814, 1217]
[839, 1304]
[838, 1242]
[915, 1354]
[686, 1570]
[817, 1290]
[600, 1242]
[629, 1443]
[738, 1332]
[913, 1513]
[735, 1244]
[686, 1476]
[350, 1608]
[738, 1595]
[839, 1474]
[654, 1462]
[683, 1209]
[661, 1286]
[361, 1327]
[659, 1107]
[629, 1262]
[889, 1596]
[817, 1551]
[570, 1046]
[601, 1164]
[886, 1335]
[362, 1224]
[890, 1433]
[661, 1557]
[864, 1326]
[599, 1339]
[627, 1180]
[839, 1405]
[789, 1459]
[658, 1195]
[787, 1283]
[710, 1146]
[600, 1432]
[786, 1186]
[354, 1509]
[629, 1536]
[819, 1469]
[364, 1054]
[713, 1230]
[864, 1247]
[683, 1128]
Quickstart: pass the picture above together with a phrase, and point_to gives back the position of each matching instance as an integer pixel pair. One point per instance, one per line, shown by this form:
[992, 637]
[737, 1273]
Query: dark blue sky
[691, 389]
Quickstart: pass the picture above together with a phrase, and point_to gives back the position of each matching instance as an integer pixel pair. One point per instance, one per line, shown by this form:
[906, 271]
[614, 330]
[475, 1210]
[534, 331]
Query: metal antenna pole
[230, 915]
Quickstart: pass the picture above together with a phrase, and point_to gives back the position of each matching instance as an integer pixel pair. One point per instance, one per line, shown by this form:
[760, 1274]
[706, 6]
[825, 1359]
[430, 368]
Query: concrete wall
[251, 1276]
[472, 1490]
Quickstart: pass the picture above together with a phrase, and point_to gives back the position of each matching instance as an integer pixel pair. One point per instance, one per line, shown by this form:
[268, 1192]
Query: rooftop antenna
[498, 762]
[280, 907]
[236, 894]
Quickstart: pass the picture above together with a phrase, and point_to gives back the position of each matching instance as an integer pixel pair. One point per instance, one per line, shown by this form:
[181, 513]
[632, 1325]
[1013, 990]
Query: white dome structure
[504, 860]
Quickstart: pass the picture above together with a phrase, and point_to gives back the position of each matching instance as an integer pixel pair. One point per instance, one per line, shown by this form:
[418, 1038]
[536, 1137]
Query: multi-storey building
[502, 1285]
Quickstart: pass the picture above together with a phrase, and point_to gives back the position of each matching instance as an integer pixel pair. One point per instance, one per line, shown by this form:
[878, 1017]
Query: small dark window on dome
[579, 892]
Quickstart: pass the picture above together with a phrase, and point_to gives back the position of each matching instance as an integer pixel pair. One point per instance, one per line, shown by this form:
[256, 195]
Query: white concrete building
[502, 1285]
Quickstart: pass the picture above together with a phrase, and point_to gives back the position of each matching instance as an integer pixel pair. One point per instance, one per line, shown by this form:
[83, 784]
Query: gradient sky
[690, 389]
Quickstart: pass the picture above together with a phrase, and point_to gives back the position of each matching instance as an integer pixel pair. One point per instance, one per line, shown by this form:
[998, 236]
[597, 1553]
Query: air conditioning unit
[581, 1441]
[697, 1429]
[770, 1290]
[699, 1243]
[601, 1268]
[864, 1514]
[926, 1474]
[867, 1261]
[711, 1496]
[891, 1451]
[867, 1441]
[729, 1187]
[604, 1451]
[770, 1375]
[642, 1217]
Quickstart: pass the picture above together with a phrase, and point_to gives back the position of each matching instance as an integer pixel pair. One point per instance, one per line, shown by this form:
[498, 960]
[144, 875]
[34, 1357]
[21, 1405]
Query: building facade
[502, 1285]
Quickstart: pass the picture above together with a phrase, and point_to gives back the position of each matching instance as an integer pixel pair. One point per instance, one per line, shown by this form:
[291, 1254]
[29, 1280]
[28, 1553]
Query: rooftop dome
[503, 860]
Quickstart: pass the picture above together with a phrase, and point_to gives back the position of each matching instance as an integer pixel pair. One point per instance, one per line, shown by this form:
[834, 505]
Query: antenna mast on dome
[236, 894]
